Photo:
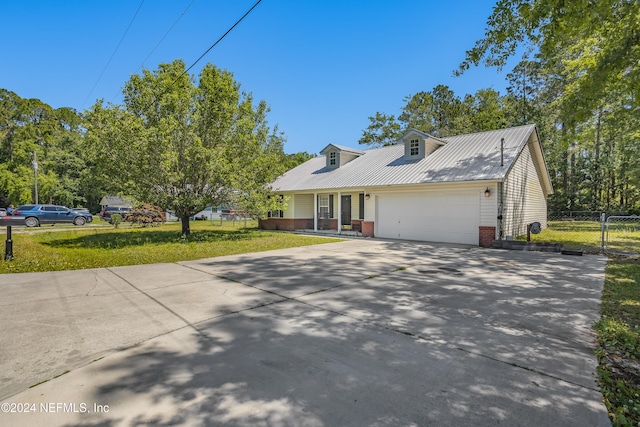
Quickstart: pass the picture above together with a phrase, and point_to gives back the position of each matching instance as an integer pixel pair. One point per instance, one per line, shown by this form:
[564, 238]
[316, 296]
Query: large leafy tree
[184, 143]
[598, 43]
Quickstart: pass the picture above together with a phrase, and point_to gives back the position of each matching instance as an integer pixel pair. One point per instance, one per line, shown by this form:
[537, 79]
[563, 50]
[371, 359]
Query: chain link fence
[593, 232]
[622, 235]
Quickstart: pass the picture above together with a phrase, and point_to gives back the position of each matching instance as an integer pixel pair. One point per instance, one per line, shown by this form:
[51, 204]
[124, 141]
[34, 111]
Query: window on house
[276, 213]
[323, 206]
[415, 147]
[332, 158]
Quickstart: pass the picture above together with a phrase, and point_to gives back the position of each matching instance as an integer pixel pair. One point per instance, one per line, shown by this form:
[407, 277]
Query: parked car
[105, 215]
[3, 212]
[34, 215]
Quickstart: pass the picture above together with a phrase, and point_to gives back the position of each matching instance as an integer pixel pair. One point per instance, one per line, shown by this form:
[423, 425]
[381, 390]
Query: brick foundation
[367, 228]
[487, 235]
[286, 224]
[291, 224]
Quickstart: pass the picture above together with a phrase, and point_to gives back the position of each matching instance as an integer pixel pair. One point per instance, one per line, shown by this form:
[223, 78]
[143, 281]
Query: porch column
[339, 212]
[315, 211]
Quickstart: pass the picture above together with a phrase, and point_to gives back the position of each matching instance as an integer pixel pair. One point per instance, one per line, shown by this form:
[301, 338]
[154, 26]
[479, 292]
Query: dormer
[418, 145]
[338, 155]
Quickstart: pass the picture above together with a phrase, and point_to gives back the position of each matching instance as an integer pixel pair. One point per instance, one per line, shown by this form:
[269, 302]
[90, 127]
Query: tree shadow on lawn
[154, 237]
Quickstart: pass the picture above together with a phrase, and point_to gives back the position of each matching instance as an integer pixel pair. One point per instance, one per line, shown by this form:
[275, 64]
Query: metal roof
[343, 148]
[471, 157]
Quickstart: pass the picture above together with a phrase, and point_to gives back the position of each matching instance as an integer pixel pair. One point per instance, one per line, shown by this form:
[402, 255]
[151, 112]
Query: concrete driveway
[361, 332]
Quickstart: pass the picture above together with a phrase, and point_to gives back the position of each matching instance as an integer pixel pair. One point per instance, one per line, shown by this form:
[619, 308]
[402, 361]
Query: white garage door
[452, 217]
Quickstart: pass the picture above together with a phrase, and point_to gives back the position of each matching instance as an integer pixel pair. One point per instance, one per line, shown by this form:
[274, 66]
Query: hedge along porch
[468, 189]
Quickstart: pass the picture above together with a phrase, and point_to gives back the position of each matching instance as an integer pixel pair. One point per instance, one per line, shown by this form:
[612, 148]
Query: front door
[345, 213]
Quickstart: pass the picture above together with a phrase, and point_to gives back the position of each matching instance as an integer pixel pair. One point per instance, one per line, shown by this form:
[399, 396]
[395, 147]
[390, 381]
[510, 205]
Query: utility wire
[220, 39]
[205, 53]
[113, 54]
[160, 42]
[165, 35]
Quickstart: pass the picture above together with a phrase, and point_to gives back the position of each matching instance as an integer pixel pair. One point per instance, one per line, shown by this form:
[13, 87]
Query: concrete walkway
[361, 332]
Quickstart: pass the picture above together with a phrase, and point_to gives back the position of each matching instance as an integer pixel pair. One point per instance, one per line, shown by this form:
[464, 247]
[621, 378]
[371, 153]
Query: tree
[295, 159]
[29, 126]
[599, 42]
[432, 112]
[185, 146]
[383, 130]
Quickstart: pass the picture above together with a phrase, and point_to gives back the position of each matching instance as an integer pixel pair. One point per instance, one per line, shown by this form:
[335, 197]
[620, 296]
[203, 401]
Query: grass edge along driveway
[618, 333]
[36, 251]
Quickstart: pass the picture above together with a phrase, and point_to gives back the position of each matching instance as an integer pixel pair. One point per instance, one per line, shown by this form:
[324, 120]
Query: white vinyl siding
[289, 210]
[303, 206]
[489, 206]
[355, 206]
[524, 199]
[369, 207]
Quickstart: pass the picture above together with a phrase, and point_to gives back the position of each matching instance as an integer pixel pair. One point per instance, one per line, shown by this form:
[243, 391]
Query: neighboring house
[209, 213]
[114, 201]
[468, 189]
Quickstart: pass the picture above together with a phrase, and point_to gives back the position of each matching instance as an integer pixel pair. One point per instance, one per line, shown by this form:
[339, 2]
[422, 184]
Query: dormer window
[415, 147]
[337, 156]
[418, 145]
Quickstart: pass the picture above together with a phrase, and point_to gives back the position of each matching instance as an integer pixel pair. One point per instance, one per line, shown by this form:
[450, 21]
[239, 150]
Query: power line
[160, 42]
[205, 52]
[220, 39]
[113, 54]
[165, 35]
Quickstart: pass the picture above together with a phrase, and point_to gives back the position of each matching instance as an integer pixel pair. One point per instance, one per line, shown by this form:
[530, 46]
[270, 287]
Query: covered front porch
[337, 212]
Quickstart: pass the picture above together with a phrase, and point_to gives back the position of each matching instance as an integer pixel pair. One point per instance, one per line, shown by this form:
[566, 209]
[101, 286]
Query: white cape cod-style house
[467, 189]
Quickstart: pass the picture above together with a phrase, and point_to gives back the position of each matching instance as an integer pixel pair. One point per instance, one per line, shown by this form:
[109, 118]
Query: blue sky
[323, 66]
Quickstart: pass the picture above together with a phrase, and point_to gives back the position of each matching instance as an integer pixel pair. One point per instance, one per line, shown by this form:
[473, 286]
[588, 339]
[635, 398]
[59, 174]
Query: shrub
[146, 214]
[116, 219]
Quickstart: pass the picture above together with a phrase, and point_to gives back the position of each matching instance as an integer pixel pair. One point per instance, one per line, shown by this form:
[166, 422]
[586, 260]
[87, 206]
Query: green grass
[618, 333]
[587, 235]
[54, 249]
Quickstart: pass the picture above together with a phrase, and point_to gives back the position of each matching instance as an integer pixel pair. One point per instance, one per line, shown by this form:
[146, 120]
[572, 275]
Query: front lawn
[620, 237]
[93, 247]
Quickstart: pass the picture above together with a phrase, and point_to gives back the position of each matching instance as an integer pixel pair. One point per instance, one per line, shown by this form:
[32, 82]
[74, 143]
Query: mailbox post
[8, 248]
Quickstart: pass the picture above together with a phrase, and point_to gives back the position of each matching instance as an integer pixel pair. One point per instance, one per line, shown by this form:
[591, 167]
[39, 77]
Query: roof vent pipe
[501, 152]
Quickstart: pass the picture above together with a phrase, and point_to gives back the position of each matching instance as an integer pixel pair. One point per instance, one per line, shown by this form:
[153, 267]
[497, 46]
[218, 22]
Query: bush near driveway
[110, 247]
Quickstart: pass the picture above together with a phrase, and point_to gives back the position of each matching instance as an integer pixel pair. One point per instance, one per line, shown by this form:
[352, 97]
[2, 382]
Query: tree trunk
[597, 204]
[185, 225]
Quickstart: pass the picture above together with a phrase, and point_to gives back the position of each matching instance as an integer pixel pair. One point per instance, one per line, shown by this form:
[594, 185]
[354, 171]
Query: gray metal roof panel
[344, 148]
[472, 157]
